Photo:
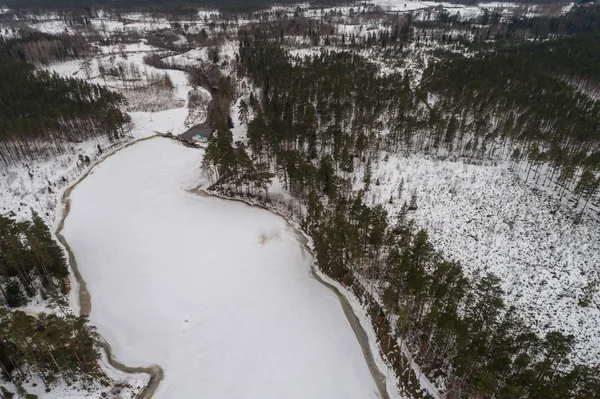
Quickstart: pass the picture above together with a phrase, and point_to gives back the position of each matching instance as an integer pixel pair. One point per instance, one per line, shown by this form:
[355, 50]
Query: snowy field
[218, 293]
[486, 219]
[131, 58]
[227, 53]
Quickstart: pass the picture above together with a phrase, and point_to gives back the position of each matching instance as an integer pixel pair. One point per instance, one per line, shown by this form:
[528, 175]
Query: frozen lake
[219, 294]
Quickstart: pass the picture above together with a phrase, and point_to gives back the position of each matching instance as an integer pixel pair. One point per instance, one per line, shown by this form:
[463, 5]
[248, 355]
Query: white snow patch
[483, 217]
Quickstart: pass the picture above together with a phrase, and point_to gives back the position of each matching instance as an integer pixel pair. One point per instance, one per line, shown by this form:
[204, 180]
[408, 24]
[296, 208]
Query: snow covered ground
[486, 219]
[465, 11]
[105, 23]
[218, 293]
[478, 215]
[38, 186]
[227, 53]
[122, 386]
[131, 58]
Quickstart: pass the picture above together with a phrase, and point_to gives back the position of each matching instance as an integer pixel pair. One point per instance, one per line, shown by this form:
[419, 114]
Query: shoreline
[369, 348]
[84, 301]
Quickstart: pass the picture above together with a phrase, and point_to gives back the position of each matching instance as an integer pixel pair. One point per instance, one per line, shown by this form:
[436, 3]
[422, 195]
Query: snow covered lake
[219, 294]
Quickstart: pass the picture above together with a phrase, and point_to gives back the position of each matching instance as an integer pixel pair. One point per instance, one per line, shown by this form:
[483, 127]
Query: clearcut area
[218, 293]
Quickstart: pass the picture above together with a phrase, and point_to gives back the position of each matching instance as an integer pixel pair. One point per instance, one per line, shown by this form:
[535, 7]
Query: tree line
[50, 346]
[455, 327]
[312, 123]
[154, 5]
[43, 113]
[31, 262]
[519, 105]
[41, 48]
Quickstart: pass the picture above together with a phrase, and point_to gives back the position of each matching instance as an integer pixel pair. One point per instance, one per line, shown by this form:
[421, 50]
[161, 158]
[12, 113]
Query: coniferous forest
[317, 119]
[43, 113]
[525, 90]
[155, 5]
[49, 346]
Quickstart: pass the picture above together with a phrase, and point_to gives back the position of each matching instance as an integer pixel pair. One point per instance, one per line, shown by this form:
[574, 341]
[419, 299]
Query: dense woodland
[178, 6]
[316, 119]
[31, 263]
[491, 25]
[49, 346]
[516, 99]
[43, 113]
[39, 48]
[313, 122]
[534, 113]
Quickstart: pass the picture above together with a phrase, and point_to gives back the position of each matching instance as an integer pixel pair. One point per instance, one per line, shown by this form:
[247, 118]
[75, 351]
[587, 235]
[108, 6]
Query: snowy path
[217, 293]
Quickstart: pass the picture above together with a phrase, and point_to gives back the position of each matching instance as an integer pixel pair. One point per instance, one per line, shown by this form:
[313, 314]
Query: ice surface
[218, 293]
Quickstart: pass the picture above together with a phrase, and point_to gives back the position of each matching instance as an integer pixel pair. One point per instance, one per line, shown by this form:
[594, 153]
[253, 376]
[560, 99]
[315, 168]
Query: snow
[198, 56]
[39, 186]
[499, 5]
[408, 6]
[466, 12]
[544, 270]
[36, 185]
[137, 382]
[567, 8]
[483, 217]
[401, 5]
[361, 30]
[301, 53]
[128, 57]
[171, 120]
[127, 48]
[123, 386]
[424, 382]
[240, 129]
[54, 24]
[217, 293]
[365, 321]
